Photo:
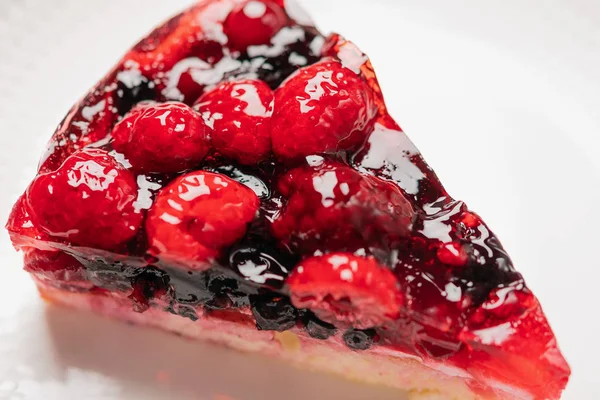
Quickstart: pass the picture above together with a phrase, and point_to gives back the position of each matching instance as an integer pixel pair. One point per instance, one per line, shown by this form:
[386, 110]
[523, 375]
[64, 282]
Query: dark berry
[318, 329]
[273, 313]
[148, 283]
[89, 200]
[165, 137]
[226, 294]
[359, 339]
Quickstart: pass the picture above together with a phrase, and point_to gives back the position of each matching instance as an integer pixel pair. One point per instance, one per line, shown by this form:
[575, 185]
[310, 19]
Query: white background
[502, 97]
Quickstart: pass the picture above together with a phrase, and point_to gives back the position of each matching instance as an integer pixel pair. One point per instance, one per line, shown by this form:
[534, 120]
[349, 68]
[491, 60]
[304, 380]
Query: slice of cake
[237, 178]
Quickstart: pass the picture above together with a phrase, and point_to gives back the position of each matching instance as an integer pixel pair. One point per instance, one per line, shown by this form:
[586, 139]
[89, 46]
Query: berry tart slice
[237, 178]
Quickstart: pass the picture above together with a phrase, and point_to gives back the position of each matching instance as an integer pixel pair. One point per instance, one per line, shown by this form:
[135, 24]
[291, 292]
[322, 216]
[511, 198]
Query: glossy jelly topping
[237, 160]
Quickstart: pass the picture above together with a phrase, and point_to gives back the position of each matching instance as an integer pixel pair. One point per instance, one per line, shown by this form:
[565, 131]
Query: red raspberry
[241, 116]
[333, 204]
[20, 226]
[253, 22]
[322, 108]
[452, 254]
[180, 37]
[196, 216]
[89, 121]
[89, 200]
[53, 265]
[342, 287]
[165, 137]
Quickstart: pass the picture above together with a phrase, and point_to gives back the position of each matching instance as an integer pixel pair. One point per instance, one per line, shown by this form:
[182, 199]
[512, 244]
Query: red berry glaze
[165, 137]
[253, 22]
[240, 114]
[89, 201]
[179, 38]
[332, 206]
[452, 254]
[327, 100]
[196, 216]
[54, 265]
[344, 288]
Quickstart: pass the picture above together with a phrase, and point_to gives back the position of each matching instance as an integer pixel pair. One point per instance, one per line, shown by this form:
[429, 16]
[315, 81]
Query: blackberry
[273, 313]
[359, 339]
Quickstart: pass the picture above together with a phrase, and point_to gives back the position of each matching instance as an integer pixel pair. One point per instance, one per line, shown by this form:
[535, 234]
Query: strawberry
[196, 216]
[330, 205]
[327, 100]
[88, 200]
[165, 137]
[343, 288]
[240, 114]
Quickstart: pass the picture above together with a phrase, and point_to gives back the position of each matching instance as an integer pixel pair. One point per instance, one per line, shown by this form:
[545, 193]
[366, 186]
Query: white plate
[503, 98]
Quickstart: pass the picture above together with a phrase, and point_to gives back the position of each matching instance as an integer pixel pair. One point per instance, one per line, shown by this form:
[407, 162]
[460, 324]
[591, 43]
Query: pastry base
[378, 365]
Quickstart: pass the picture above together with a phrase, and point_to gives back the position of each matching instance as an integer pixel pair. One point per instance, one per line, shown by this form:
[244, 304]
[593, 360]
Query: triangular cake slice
[237, 178]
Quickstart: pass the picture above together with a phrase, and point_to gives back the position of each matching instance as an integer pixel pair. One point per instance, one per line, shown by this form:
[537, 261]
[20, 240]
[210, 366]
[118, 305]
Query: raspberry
[88, 200]
[20, 227]
[253, 22]
[322, 108]
[178, 38]
[165, 137]
[53, 265]
[196, 216]
[452, 254]
[89, 121]
[334, 206]
[241, 114]
[344, 288]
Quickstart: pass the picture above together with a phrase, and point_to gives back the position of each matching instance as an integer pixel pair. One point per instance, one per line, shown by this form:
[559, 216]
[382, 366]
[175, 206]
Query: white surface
[502, 97]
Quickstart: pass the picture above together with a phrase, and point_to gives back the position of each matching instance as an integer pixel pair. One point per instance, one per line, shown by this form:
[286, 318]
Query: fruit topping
[178, 38]
[148, 283]
[331, 102]
[452, 254]
[330, 205]
[275, 189]
[316, 328]
[54, 265]
[165, 137]
[345, 289]
[273, 313]
[227, 294]
[88, 122]
[196, 216]
[88, 200]
[253, 22]
[359, 339]
[239, 114]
